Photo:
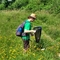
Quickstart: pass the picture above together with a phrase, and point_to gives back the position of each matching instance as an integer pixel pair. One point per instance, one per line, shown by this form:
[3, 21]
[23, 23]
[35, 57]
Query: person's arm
[27, 28]
[29, 31]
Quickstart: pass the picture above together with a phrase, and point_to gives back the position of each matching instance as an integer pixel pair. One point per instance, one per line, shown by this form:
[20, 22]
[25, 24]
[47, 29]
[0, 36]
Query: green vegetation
[11, 46]
[53, 6]
[13, 13]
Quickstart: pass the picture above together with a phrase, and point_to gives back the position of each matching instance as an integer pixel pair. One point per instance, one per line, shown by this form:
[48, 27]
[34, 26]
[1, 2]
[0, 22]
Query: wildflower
[2, 56]
[10, 51]
[9, 58]
[0, 37]
[34, 46]
[14, 50]
[38, 48]
[10, 47]
[33, 54]
[59, 54]
[14, 56]
[40, 59]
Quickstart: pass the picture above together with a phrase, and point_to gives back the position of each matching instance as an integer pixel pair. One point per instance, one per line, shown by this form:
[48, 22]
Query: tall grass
[11, 46]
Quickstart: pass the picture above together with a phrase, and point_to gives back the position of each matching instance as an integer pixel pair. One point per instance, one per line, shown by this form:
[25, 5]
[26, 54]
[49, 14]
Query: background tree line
[33, 5]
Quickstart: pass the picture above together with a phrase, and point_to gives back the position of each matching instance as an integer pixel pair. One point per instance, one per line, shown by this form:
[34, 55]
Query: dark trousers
[26, 44]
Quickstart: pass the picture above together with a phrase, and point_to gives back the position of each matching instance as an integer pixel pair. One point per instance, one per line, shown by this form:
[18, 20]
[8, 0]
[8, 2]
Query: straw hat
[33, 15]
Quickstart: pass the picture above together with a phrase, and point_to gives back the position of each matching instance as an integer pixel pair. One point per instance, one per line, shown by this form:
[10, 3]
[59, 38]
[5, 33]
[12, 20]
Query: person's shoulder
[27, 21]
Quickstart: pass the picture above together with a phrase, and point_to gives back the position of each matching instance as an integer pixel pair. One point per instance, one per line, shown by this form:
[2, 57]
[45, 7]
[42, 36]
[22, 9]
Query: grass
[11, 46]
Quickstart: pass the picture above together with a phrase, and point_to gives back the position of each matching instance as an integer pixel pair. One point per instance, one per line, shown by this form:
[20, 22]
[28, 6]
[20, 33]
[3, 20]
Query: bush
[53, 6]
[0, 1]
[2, 6]
[19, 3]
[31, 7]
[34, 2]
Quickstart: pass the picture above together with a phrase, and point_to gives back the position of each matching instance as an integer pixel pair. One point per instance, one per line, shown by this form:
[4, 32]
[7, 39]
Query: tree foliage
[33, 5]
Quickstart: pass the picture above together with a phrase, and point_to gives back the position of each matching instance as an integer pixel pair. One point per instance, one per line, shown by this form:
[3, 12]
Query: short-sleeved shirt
[27, 26]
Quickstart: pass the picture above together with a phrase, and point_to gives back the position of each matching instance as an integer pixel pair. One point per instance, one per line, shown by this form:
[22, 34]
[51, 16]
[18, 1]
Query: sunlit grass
[11, 46]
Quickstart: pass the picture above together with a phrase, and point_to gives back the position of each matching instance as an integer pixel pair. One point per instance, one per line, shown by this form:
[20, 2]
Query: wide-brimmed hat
[33, 15]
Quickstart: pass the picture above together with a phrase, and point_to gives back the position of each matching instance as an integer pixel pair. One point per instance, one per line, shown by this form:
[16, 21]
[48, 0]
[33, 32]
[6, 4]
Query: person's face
[32, 19]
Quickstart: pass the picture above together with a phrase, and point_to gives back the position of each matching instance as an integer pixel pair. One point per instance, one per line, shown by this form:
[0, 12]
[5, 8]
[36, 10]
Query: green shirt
[27, 26]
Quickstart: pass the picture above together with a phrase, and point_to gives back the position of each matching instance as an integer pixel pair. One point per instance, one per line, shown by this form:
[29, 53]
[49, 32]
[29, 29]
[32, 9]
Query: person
[28, 31]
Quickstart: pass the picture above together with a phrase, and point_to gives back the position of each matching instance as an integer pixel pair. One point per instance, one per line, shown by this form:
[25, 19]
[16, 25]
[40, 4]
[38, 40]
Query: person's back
[27, 26]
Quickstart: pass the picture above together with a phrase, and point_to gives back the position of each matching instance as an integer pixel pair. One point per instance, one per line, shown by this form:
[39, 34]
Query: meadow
[11, 46]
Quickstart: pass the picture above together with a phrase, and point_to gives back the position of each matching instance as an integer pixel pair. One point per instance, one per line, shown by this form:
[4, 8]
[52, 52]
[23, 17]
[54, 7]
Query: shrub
[2, 6]
[31, 7]
[0, 1]
[55, 6]
[19, 3]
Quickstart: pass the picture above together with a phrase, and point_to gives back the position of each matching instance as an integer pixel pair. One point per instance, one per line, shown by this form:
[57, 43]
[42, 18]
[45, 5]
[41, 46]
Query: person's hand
[33, 31]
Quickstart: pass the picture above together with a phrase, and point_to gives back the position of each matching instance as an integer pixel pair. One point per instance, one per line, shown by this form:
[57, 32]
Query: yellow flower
[10, 47]
[14, 50]
[34, 46]
[2, 57]
[9, 58]
[39, 58]
[14, 56]
[33, 54]
[0, 37]
[10, 51]
[38, 48]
